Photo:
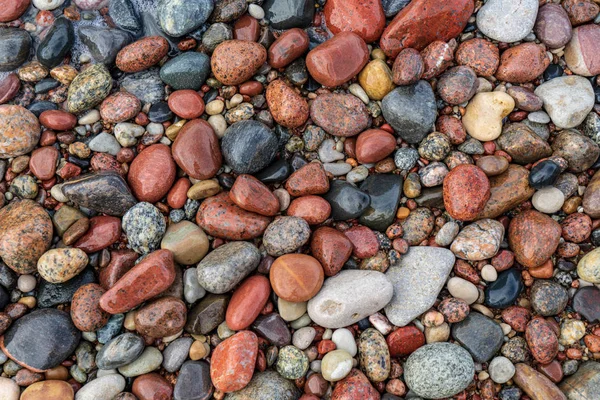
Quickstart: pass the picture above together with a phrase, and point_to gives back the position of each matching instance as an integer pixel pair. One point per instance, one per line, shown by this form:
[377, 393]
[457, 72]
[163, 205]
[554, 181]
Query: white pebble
[344, 340]
[501, 369]
[337, 168]
[154, 128]
[256, 11]
[57, 194]
[303, 337]
[89, 117]
[548, 200]
[539, 117]
[236, 100]
[284, 198]
[463, 289]
[489, 273]
[359, 92]
[26, 283]
[358, 174]
[218, 124]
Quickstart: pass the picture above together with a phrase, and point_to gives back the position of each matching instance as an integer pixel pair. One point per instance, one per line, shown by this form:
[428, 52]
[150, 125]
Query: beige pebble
[215, 107]
[484, 114]
[489, 273]
[284, 198]
[129, 322]
[463, 289]
[204, 189]
[435, 334]
[218, 124]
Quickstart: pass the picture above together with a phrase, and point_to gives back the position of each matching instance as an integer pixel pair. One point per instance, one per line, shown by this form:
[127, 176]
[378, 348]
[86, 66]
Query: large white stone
[507, 20]
[47, 4]
[567, 99]
[103, 388]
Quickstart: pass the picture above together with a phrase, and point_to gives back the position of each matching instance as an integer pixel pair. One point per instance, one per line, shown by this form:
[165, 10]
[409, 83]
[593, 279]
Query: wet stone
[15, 45]
[145, 227]
[480, 335]
[504, 291]
[385, 192]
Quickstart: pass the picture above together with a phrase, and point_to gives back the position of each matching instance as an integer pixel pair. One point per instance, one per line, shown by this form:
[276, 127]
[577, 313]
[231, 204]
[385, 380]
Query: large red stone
[466, 190]
[235, 61]
[152, 276]
[403, 341]
[12, 9]
[363, 17]
[542, 340]
[288, 47]
[582, 53]
[196, 150]
[310, 179]
[533, 237]
[247, 302]
[252, 195]
[121, 261]
[43, 162]
[338, 59]
[58, 120]
[296, 277]
[374, 145]
[220, 217]
[355, 386]
[142, 54]
[152, 173]
[103, 232]
[232, 362]
[332, 248]
[85, 308]
[288, 108]
[187, 104]
[522, 63]
[424, 21]
[152, 387]
[313, 209]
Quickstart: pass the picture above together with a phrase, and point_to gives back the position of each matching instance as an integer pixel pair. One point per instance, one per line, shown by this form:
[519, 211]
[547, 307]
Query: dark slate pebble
[145, 85]
[151, 28]
[286, 14]
[346, 200]
[103, 43]
[42, 339]
[249, 146]
[177, 17]
[504, 291]
[411, 110]
[111, 329]
[548, 298]
[40, 106]
[4, 298]
[207, 315]
[52, 294]
[15, 45]
[587, 303]
[45, 85]
[8, 277]
[193, 382]
[160, 112]
[125, 16]
[57, 43]
[480, 335]
[120, 351]
[187, 71]
[553, 71]
[276, 172]
[392, 7]
[104, 192]
[545, 173]
[385, 191]
[273, 328]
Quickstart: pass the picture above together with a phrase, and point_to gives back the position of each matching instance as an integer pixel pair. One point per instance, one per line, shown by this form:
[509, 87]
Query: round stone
[296, 277]
[19, 131]
[336, 365]
[501, 370]
[285, 235]
[292, 363]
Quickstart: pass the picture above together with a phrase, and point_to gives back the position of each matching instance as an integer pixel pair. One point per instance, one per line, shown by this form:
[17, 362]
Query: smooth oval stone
[102, 388]
[125, 16]
[507, 21]
[340, 114]
[385, 191]
[365, 18]
[223, 268]
[142, 54]
[178, 18]
[249, 146]
[346, 200]
[19, 131]
[102, 232]
[148, 361]
[196, 150]
[9, 87]
[548, 298]
[150, 386]
[480, 335]
[267, 385]
[338, 59]
[25, 234]
[232, 361]
[584, 383]
[507, 190]
[120, 351]
[285, 235]
[187, 241]
[15, 45]
[504, 291]
[355, 386]
[542, 340]
[276, 172]
[53, 333]
[235, 61]
[332, 248]
[152, 276]
[85, 308]
[411, 110]
[247, 302]
[39, 107]
[296, 277]
[60, 265]
[439, 370]
[374, 355]
[552, 26]
[186, 71]
[289, 13]
[543, 174]
[161, 318]
[567, 100]
[580, 151]
[289, 46]
[103, 43]
[252, 195]
[49, 390]
[533, 237]
[207, 315]
[52, 294]
[152, 173]
[57, 43]
[193, 382]
[144, 226]
[176, 353]
[13, 10]
[89, 88]
[466, 190]
[581, 53]
[348, 297]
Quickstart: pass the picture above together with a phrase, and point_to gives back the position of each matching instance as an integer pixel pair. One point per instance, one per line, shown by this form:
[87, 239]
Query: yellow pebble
[204, 189]
[29, 301]
[129, 322]
[197, 351]
[173, 130]
[402, 213]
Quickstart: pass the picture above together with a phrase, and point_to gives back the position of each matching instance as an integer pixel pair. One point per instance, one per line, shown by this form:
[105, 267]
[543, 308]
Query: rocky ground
[299, 199]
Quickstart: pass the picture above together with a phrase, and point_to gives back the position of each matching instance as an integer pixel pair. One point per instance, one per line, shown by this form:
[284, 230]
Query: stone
[186, 71]
[53, 333]
[584, 383]
[49, 389]
[503, 292]
[542, 340]
[267, 385]
[507, 190]
[60, 265]
[533, 237]
[567, 100]
[512, 63]
[411, 110]
[313, 209]
[15, 45]
[193, 381]
[207, 315]
[102, 388]
[161, 318]
[14, 10]
[417, 280]
[252, 195]
[552, 26]
[584, 303]
[145, 85]
[484, 114]
[236, 61]
[580, 151]
[178, 18]
[374, 145]
[223, 268]
[588, 267]
[85, 308]
[418, 226]
[536, 385]
[340, 114]
[458, 85]
[144, 226]
[249, 146]
[119, 107]
[296, 277]
[473, 186]
[56, 43]
[25, 234]
[285, 235]
[376, 79]
[89, 88]
[463, 289]
[479, 240]
[331, 248]
[366, 19]
[480, 335]
[581, 51]
[19, 132]
[148, 361]
[439, 370]
[292, 363]
[408, 67]
[187, 242]
[232, 361]
[289, 46]
[330, 63]
[591, 198]
[309, 179]
[51, 294]
[103, 43]
[102, 232]
[152, 276]
[289, 14]
[247, 302]
[147, 386]
[374, 355]
[548, 298]
[444, 21]
[523, 144]
[288, 108]
[125, 16]
[152, 173]
[336, 365]
[342, 300]
[273, 328]
[347, 201]
[120, 351]
[9, 87]
[186, 104]
[176, 353]
[142, 54]
[196, 150]
[385, 191]
[506, 21]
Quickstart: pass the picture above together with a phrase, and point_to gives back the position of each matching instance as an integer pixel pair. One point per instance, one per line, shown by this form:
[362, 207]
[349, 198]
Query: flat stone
[193, 382]
[207, 315]
[506, 21]
[186, 71]
[567, 100]
[533, 237]
[480, 335]
[145, 227]
[417, 279]
[15, 45]
[232, 361]
[583, 384]
[340, 114]
[273, 328]
[102, 388]
[120, 351]
[535, 384]
[289, 13]
[478, 241]
[178, 18]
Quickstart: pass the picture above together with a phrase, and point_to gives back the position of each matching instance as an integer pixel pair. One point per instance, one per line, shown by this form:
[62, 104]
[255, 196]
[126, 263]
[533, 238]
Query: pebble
[581, 51]
[248, 146]
[479, 240]
[178, 18]
[187, 242]
[552, 26]
[15, 45]
[187, 71]
[473, 185]
[193, 381]
[376, 79]
[567, 100]
[289, 46]
[588, 267]
[463, 289]
[266, 385]
[336, 365]
[291, 362]
[287, 107]
[296, 14]
[89, 88]
[106, 386]
[232, 362]
[541, 340]
[303, 337]
[148, 361]
[503, 292]
[339, 114]
[533, 237]
[484, 114]
[506, 21]
[175, 354]
[247, 302]
[501, 369]
[144, 226]
[507, 190]
[535, 384]
[374, 355]
[579, 151]
[548, 200]
[161, 318]
[480, 335]
[235, 61]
